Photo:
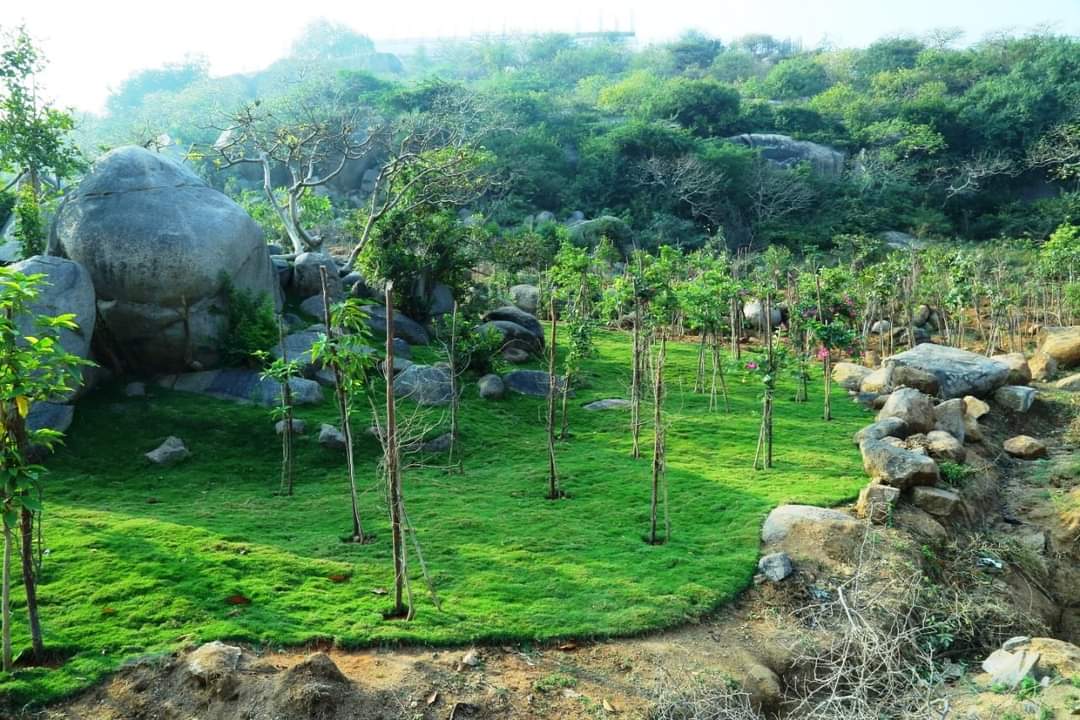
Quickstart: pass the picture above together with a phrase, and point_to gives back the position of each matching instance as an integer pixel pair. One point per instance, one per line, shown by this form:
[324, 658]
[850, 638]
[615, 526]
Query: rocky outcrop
[160, 246]
[785, 151]
[405, 328]
[959, 372]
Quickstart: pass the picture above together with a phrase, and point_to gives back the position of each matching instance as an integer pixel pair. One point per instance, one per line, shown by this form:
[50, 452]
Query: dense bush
[252, 326]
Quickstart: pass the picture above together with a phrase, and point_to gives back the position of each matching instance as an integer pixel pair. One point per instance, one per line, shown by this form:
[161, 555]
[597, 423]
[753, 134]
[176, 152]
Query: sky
[93, 46]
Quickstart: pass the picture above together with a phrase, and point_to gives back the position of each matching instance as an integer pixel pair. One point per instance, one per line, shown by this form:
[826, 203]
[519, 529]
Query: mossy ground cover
[142, 559]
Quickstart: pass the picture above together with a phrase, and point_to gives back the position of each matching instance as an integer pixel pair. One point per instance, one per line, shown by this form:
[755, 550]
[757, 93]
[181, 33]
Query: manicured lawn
[142, 559]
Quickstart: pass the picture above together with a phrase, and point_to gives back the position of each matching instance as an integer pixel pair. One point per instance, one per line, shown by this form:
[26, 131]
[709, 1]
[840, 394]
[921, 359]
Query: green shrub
[955, 474]
[29, 226]
[252, 326]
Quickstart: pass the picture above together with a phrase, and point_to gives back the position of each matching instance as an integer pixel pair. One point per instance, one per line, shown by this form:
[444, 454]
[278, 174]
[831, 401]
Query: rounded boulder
[161, 246]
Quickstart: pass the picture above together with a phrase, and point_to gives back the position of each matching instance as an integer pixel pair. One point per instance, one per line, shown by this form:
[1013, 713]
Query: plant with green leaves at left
[34, 366]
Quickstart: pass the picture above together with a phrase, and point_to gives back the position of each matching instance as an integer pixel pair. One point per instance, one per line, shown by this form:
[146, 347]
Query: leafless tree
[690, 181]
[431, 159]
[312, 137]
[973, 173]
[1059, 151]
[774, 193]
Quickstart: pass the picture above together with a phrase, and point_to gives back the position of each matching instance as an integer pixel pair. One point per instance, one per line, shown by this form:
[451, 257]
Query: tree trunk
[30, 585]
[286, 434]
[635, 382]
[658, 437]
[5, 599]
[343, 413]
[455, 405]
[393, 469]
[553, 477]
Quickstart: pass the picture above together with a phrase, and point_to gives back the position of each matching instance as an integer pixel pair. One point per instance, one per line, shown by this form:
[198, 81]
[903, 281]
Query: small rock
[438, 445]
[889, 427]
[935, 501]
[608, 404]
[949, 418]
[213, 660]
[313, 306]
[879, 381]
[515, 356]
[135, 390]
[298, 426]
[1008, 668]
[912, 406]
[332, 438]
[896, 466]
[169, 452]
[491, 387]
[972, 430]
[974, 407]
[943, 446]
[470, 659]
[776, 566]
[1017, 398]
[1069, 384]
[880, 326]
[1043, 367]
[876, 502]
[1025, 447]
[1015, 643]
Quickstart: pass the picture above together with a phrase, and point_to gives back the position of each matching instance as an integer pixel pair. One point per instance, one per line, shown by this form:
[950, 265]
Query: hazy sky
[93, 46]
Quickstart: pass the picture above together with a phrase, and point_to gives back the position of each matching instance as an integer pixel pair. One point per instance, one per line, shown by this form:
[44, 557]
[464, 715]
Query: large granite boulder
[1063, 345]
[405, 328]
[531, 382]
[514, 336]
[66, 288]
[959, 372]
[424, 385]
[509, 313]
[754, 314]
[160, 246]
[307, 275]
[526, 298]
[786, 152]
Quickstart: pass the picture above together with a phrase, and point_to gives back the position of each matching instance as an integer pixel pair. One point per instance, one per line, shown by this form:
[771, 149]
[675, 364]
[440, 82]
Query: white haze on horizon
[93, 47]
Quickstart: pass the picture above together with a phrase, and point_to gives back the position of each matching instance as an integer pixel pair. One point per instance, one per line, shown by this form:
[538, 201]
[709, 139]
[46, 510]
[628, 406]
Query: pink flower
[751, 365]
[822, 353]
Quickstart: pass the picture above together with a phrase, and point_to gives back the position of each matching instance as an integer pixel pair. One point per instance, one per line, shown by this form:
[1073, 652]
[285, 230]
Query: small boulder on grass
[1025, 447]
[331, 438]
[170, 452]
[298, 426]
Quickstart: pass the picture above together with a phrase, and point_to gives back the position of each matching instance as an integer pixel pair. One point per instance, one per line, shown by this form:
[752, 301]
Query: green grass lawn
[142, 559]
